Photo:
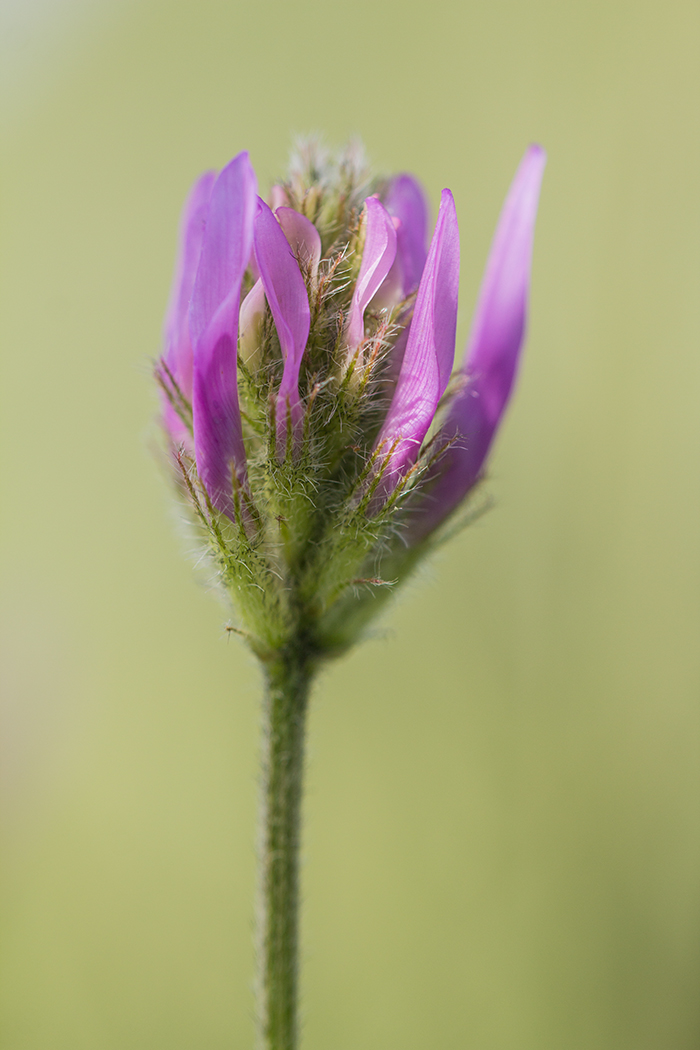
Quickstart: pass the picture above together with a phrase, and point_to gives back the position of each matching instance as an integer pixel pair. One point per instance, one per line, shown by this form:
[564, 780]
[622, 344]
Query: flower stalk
[288, 679]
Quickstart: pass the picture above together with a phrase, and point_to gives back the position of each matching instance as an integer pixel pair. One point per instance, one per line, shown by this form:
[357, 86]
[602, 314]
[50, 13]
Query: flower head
[307, 384]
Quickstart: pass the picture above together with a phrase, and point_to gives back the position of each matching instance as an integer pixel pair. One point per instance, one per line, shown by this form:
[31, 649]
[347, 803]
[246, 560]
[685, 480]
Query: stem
[288, 680]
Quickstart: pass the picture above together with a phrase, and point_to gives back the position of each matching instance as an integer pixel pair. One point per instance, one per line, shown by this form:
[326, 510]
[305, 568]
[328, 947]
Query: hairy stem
[288, 680]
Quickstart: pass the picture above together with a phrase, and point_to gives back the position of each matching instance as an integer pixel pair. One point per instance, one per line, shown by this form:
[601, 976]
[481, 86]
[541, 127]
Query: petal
[494, 347]
[178, 347]
[427, 361]
[303, 237]
[377, 258]
[499, 323]
[228, 236]
[278, 197]
[390, 292]
[286, 294]
[406, 200]
[250, 323]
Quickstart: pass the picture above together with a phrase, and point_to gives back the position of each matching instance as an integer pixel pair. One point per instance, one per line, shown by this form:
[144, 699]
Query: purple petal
[377, 258]
[493, 350]
[178, 347]
[304, 239]
[406, 200]
[289, 302]
[218, 438]
[427, 361]
[499, 323]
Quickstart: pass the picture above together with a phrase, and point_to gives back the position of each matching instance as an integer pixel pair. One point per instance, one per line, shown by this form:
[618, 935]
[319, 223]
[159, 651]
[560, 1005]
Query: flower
[309, 401]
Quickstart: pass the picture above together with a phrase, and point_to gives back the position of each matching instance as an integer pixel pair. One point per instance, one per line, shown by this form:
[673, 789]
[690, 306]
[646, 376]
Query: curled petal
[493, 351]
[304, 239]
[178, 347]
[289, 303]
[218, 438]
[377, 258]
[427, 360]
[391, 291]
[405, 200]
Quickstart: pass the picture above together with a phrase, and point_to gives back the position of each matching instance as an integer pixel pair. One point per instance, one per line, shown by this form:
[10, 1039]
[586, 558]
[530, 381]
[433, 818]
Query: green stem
[288, 680]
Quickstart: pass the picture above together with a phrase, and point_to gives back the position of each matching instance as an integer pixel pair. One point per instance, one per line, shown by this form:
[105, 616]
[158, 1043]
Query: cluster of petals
[227, 229]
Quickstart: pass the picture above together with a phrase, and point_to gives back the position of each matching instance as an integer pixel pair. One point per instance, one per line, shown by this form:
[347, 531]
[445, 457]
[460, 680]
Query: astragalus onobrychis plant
[320, 437]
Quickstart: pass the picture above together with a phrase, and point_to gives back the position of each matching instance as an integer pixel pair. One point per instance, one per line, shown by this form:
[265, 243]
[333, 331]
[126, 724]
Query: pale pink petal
[278, 197]
[250, 323]
[304, 239]
[377, 257]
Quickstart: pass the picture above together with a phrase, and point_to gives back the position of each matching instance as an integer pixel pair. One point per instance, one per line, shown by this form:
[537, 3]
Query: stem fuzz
[288, 680]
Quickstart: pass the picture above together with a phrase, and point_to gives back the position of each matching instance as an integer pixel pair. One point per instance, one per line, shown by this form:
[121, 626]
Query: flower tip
[525, 189]
[447, 212]
[241, 160]
[534, 161]
[374, 206]
[447, 200]
[238, 177]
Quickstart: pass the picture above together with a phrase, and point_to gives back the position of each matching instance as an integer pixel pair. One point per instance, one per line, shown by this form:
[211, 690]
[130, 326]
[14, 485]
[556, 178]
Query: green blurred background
[501, 842]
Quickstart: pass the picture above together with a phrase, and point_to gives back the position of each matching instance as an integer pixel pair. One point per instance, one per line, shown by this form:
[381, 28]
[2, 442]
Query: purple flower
[302, 323]
[309, 348]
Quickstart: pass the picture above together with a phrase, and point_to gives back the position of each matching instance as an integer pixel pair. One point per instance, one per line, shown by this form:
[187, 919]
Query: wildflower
[321, 439]
[309, 398]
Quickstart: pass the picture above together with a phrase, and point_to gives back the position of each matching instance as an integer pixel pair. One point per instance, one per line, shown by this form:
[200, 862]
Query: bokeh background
[502, 846]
